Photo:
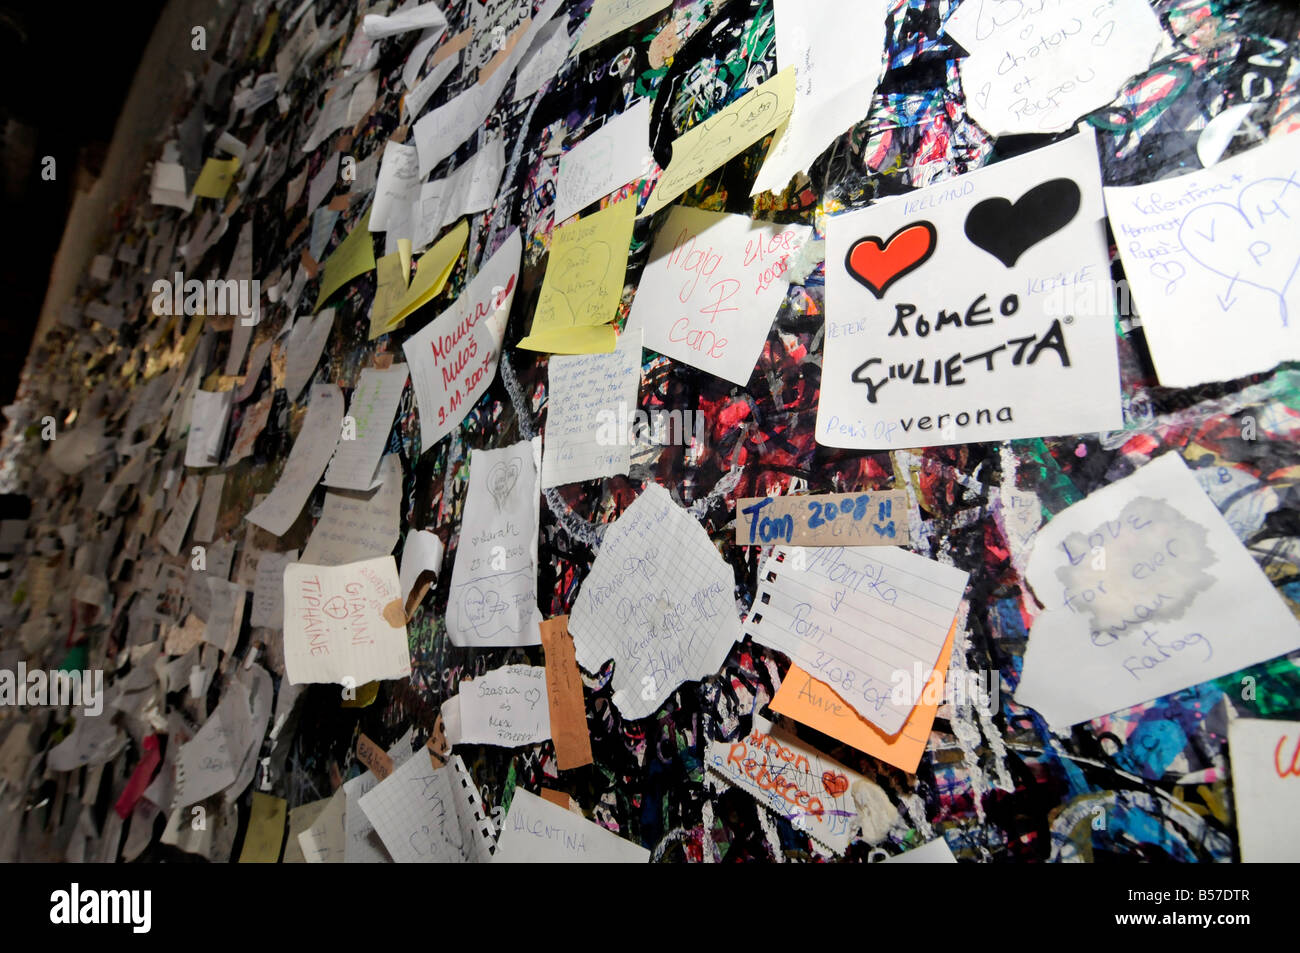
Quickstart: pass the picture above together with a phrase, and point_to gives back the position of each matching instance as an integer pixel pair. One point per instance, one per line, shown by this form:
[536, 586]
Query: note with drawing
[853, 616]
[493, 598]
[1143, 583]
[658, 600]
[712, 286]
[1212, 259]
[583, 285]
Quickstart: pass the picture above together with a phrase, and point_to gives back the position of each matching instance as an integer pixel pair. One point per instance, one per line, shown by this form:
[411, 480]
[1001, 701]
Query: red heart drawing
[877, 265]
[835, 784]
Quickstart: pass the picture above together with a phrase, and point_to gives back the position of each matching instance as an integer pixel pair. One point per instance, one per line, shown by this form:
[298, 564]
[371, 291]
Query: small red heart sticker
[877, 265]
[835, 784]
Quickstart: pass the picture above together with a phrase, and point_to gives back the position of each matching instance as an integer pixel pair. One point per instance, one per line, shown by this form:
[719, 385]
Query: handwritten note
[207, 427]
[658, 600]
[1265, 757]
[712, 287]
[1211, 259]
[605, 161]
[855, 616]
[355, 463]
[608, 17]
[344, 622]
[1144, 584]
[324, 842]
[303, 348]
[268, 590]
[564, 696]
[354, 526]
[704, 147]
[454, 357]
[792, 781]
[586, 394]
[428, 815]
[1038, 67]
[537, 831]
[173, 530]
[827, 519]
[978, 309]
[584, 283]
[493, 597]
[307, 460]
[505, 707]
[250, 428]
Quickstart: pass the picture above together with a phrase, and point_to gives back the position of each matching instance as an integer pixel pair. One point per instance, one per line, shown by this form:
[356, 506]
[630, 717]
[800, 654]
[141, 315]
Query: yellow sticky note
[583, 283]
[215, 178]
[390, 278]
[265, 830]
[706, 146]
[813, 703]
[431, 274]
[268, 34]
[355, 256]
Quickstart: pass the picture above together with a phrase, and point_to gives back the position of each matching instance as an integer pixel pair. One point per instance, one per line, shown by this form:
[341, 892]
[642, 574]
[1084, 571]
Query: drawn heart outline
[501, 480]
[1006, 229]
[834, 783]
[876, 265]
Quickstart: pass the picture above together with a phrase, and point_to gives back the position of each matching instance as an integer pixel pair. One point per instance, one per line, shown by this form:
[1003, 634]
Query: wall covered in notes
[165, 528]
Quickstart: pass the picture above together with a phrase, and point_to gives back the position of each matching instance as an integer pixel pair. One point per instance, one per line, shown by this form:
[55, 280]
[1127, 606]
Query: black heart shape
[1007, 230]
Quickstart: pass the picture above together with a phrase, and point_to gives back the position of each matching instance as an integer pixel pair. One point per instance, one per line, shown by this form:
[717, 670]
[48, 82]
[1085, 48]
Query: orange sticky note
[816, 705]
[564, 695]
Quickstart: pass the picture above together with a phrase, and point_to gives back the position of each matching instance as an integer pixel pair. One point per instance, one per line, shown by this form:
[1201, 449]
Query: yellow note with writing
[706, 146]
[265, 830]
[431, 273]
[355, 256]
[215, 178]
[390, 287]
[584, 283]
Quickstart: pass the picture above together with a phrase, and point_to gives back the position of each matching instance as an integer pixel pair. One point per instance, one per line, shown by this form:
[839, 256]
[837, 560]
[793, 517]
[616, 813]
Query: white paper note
[173, 530]
[303, 349]
[268, 591]
[425, 815]
[1211, 259]
[506, 707]
[658, 600]
[608, 17]
[362, 844]
[422, 17]
[608, 159]
[537, 831]
[398, 185]
[355, 526]
[1144, 584]
[869, 621]
[355, 463]
[978, 309]
[493, 598]
[543, 60]
[325, 842]
[1265, 756]
[207, 427]
[307, 460]
[423, 551]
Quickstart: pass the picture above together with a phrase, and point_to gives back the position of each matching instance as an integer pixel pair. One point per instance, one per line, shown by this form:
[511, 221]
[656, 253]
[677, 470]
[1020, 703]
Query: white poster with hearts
[1211, 260]
[493, 599]
[506, 707]
[978, 309]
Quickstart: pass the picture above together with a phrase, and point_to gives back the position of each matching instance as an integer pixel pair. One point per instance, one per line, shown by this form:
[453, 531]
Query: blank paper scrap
[658, 600]
[374, 402]
[1212, 258]
[428, 815]
[793, 781]
[712, 286]
[1265, 756]
[977, 309]
[307, 460]
[608, 159]
[853, 616]
[1144, 584]
[344, 622]
[493, 596]
[506, 707]
[422, 552]
[537, 831]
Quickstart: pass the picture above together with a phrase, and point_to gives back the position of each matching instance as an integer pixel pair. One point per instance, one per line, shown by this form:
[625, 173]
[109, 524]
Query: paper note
[422, 552]
[537, 831]
[397, 187]
[210, 761]
[268, 590]
[322, 183]
[1144, 584]
[225, 613]
[506, 707]
[945, 322]
[207, 428]
[712, 287]
[588, 397]
[935, 852]
[354, 256]
[215, 178]
[432, 271]
[357, 525]
[608, 159]
[1265, 756]
[543, 60]
[265, 832]
[706, 146]
[362, 844]
[827, 519]
[584, 283]
[608, 17]
[303, 349]
[425, 16]
[658, 600]
[838, 51]
[854, 616]
[1211, 259]
[390, 288]
[374, 757]
[792, 781]
[812, 703]
[250, 428]
[453, 358]
[301, 819]
[355, 463]
[324, 842]
[307, 460]
[493, 597]
[344, 622]
[1039, 67]
[172, 533]
[568, 710]
[424, 815]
